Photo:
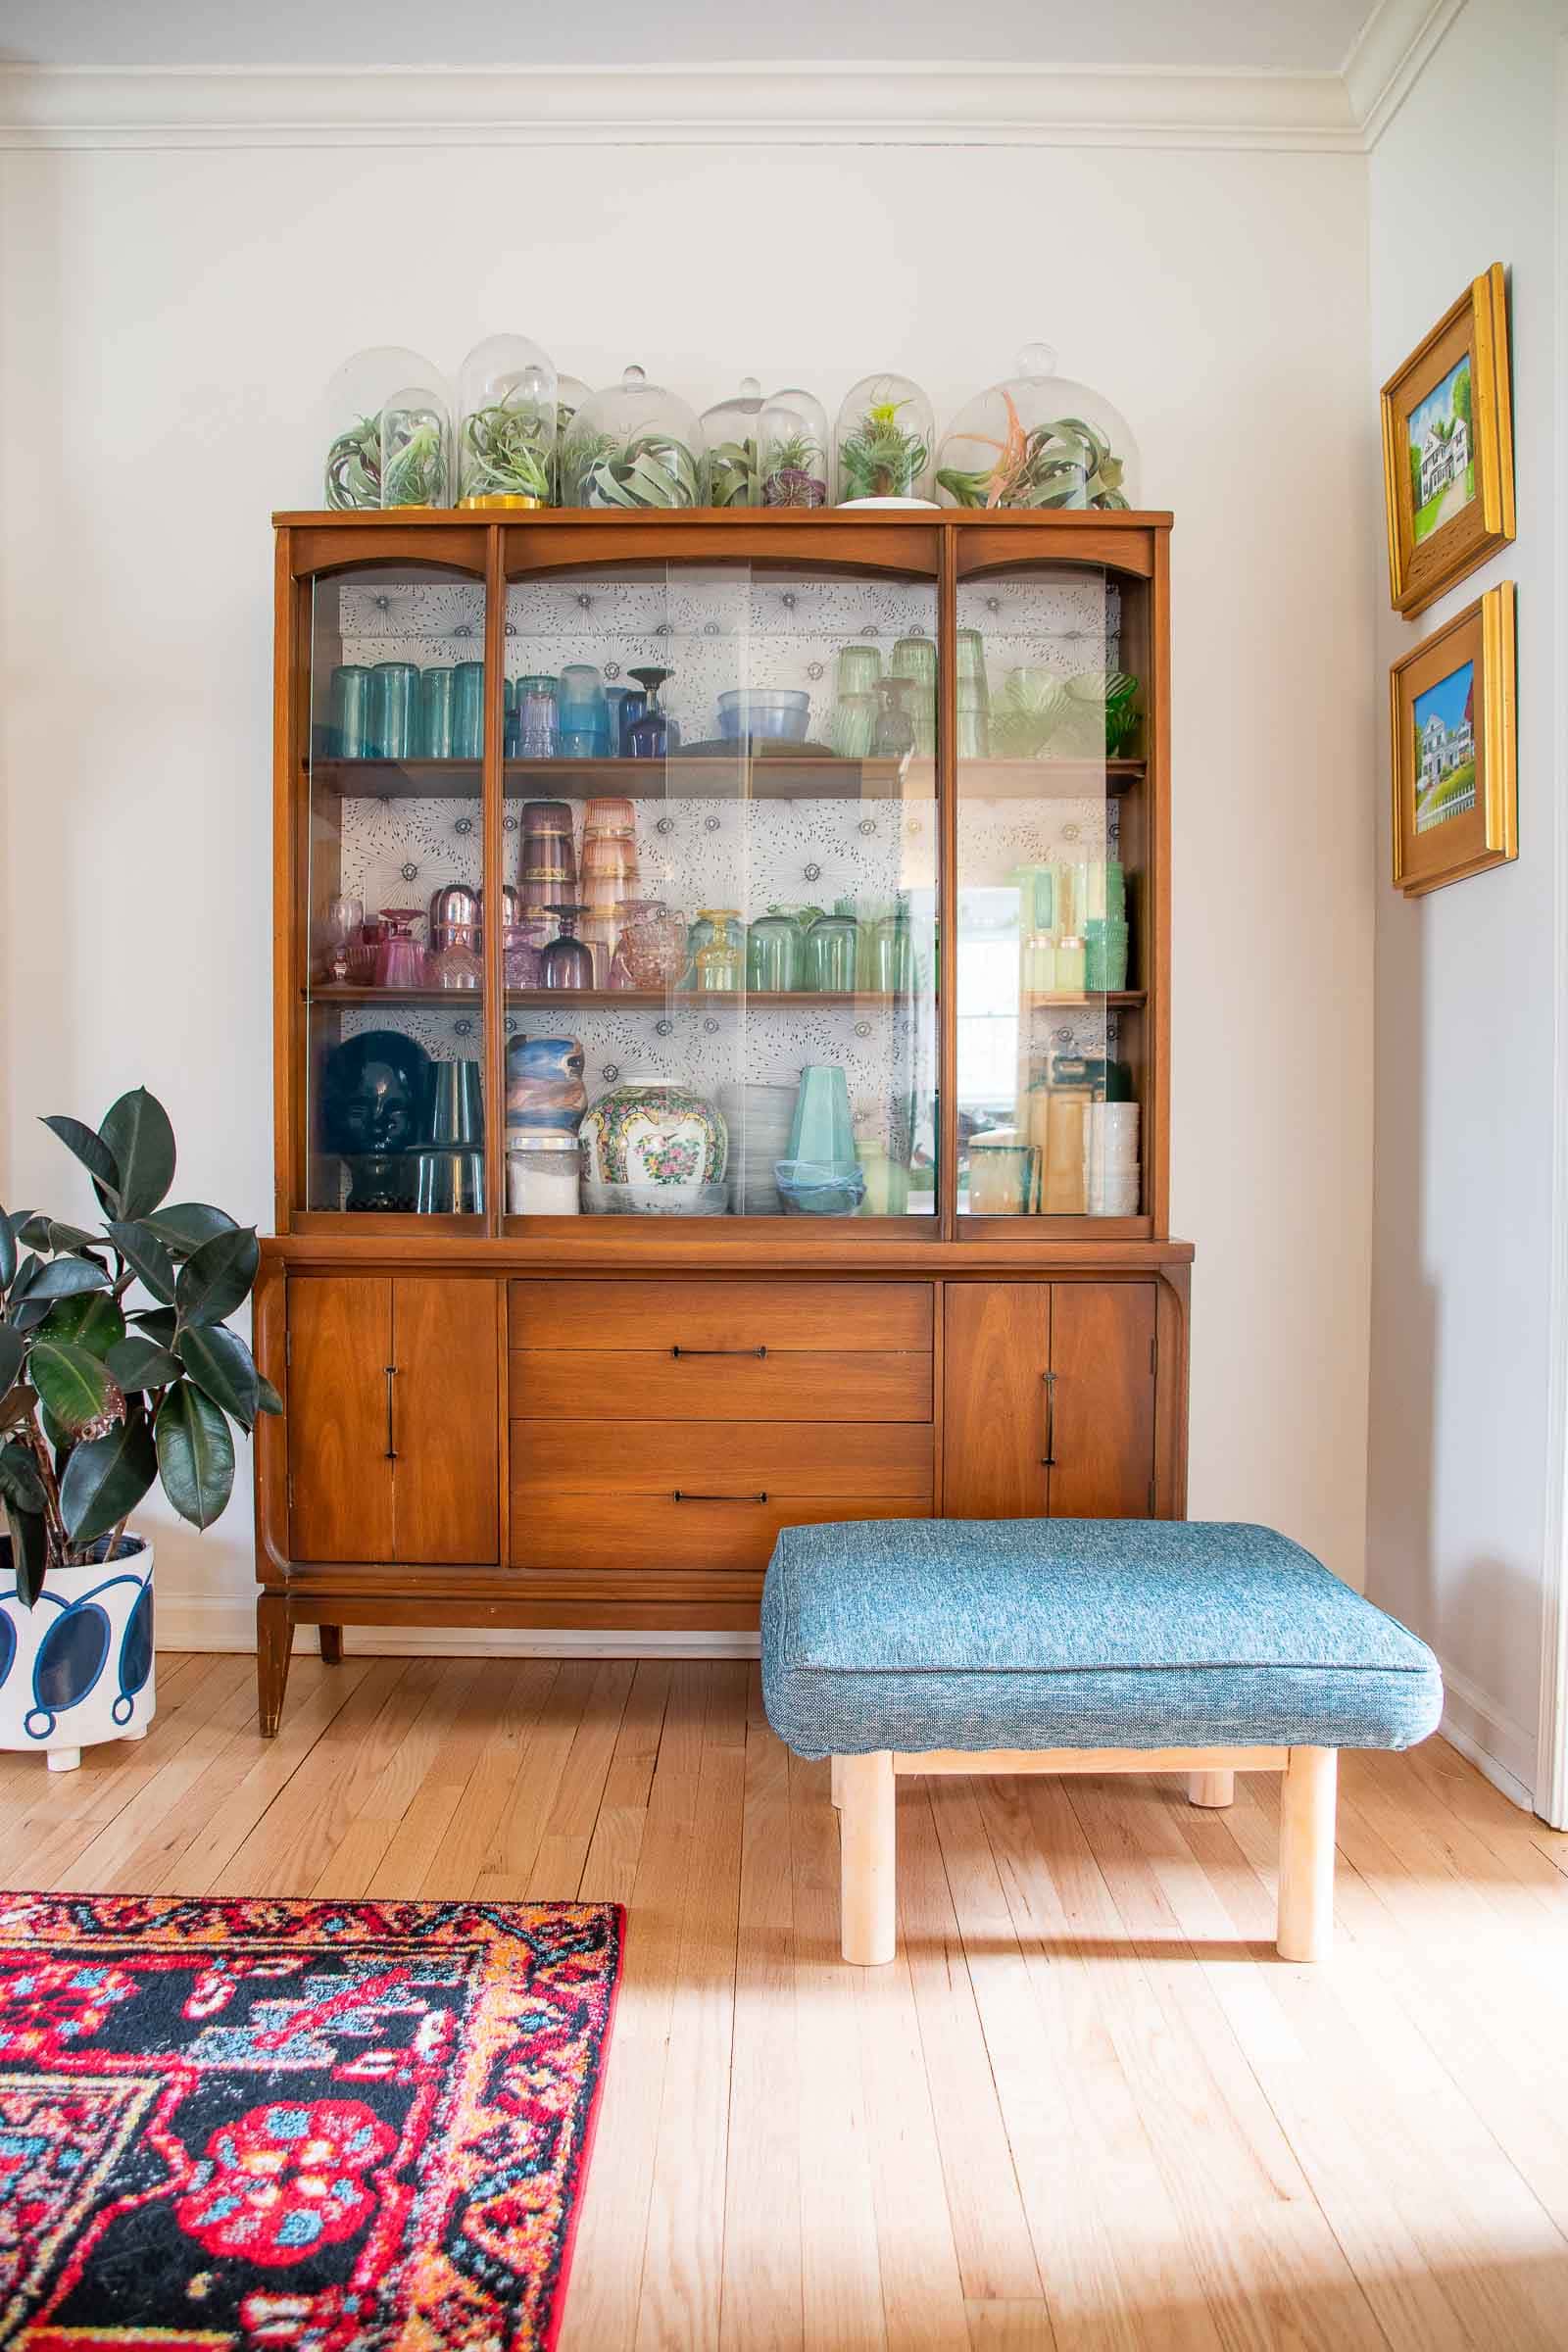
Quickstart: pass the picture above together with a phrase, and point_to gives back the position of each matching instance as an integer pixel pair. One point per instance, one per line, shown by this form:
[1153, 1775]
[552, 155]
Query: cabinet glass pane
[1047, 1001]
[736, 765]
[393, 985]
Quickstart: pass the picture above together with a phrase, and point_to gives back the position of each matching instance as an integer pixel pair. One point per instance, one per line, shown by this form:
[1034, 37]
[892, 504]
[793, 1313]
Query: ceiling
[1283, 36]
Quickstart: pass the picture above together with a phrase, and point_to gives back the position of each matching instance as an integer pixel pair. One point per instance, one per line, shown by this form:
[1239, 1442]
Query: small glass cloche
[571, 394]
[731, 430]
[1038, 440]
[507, 389]
[886, 433]
[634, 445]
[416, 449]
[794, 450]
[353, 412]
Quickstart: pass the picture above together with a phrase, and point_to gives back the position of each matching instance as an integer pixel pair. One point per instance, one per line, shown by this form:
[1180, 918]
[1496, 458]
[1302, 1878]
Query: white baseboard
[221, 1622]
[1501, 1751]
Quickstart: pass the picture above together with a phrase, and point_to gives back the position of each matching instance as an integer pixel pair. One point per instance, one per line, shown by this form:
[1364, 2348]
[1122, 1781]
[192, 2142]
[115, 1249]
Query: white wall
[168, 319]
[1466, 1016]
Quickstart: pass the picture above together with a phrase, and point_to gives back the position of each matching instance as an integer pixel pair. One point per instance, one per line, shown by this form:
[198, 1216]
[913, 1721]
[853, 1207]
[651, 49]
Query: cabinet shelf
[807, 776]
[635, 1000]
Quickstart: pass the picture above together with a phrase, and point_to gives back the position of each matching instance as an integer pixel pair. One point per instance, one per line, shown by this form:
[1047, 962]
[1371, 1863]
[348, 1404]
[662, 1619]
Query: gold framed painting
[1447, 448]
[1451, 719]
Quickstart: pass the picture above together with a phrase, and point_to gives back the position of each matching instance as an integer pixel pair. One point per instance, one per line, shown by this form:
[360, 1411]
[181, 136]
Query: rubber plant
[117, 1370]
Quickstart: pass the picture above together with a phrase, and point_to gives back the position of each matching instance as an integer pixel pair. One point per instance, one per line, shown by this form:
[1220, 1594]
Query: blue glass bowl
[773, 714]
[817, 1188]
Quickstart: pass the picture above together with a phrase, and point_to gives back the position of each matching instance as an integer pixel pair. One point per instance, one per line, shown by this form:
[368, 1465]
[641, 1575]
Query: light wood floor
[1086, 2107]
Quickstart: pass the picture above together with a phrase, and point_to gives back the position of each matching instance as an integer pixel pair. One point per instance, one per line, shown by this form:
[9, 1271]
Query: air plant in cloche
[1062, 463]
[734, 475]
[416, 470]
[795, 472]
[354, 466]
[117, 1366]
[650, 469]
[884, 442]
[509, 451]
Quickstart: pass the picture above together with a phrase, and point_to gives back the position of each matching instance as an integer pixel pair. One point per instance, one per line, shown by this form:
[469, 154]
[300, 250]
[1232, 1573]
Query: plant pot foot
[64, 1759]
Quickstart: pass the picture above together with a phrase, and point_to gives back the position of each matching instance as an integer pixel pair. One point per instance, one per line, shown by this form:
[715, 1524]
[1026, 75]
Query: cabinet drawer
[645, 1384]
[770, 1311]
[656, 1533]
[781, 1458]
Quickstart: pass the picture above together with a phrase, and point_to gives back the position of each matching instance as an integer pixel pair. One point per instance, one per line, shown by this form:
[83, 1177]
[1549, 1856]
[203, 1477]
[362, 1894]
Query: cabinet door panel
[340, 1479]
[1103, 1356]
[446, 1482]
[996, 1353]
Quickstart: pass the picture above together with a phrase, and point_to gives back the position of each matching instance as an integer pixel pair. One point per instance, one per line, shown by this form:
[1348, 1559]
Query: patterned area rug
[295, 2126]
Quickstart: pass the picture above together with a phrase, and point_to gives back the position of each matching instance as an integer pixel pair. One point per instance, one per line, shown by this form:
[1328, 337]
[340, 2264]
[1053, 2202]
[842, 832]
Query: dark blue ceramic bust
[375, 1092]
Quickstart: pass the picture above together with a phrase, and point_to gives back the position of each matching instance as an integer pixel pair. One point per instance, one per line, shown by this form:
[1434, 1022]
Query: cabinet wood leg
[867, 1858]
[1212, 1788]
[1306, 1854]
[331, 1644]
[275, 1640]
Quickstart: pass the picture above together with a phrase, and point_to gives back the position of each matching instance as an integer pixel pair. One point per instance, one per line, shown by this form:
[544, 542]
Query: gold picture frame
[1447, 448]
[1451, 719]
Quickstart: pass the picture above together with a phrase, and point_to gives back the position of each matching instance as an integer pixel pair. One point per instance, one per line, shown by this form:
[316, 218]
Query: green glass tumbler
[436, 700]
[858, 669]
[394, 702]
[350, 731]
[832, 946]
[468, 711]
[773, 948]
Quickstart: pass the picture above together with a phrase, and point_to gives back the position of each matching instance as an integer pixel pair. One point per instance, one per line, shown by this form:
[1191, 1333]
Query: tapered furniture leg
[331, 1644]
[838, 1789]
[1306, 1854]
[274, 1639]
[867, 1858]
[1218, 1788]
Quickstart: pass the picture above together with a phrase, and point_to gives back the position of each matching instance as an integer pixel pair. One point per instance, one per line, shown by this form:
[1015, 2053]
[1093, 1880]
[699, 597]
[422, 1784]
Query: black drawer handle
[686, 1497]
[680, 1351]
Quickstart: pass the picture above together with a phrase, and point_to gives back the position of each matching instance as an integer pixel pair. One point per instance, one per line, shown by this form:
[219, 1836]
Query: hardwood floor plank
[437, 1699]
[556, 1871]
[610, 1868]
[517, 1691]
[301, 1826]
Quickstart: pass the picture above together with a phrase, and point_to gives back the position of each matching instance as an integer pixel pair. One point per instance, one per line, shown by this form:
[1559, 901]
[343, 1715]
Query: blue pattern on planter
[70, 1658]
[135, 1650]
[8, 1640]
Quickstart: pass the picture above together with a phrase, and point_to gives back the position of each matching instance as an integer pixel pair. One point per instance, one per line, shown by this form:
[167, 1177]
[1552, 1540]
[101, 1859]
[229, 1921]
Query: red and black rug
[295, 2126]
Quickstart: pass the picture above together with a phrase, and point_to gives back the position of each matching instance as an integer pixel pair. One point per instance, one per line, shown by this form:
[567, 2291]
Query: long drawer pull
[684, 1495]
[1048, 1460]
[680, 1351]
[391, 1425]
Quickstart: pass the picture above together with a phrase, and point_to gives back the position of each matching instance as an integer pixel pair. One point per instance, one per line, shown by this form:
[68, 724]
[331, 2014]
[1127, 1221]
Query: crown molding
[793, 105]
[1386, 59]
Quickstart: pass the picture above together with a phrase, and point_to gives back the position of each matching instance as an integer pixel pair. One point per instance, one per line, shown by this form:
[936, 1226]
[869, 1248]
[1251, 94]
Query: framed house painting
[1451, 715]
[1447, 449]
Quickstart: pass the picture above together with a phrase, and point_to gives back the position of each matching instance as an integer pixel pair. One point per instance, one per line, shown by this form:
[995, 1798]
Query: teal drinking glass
[773, 948]
[437, 702]
[394, 702]
[468, 711]
[350, 731]
[832, 949]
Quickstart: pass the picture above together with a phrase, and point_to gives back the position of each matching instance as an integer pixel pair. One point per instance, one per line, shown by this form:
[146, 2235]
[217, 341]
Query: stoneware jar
[77, 1668]
[651, 1150]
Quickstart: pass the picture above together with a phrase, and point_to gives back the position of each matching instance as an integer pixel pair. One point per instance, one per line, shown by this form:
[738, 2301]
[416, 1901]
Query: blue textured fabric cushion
[913, 1634]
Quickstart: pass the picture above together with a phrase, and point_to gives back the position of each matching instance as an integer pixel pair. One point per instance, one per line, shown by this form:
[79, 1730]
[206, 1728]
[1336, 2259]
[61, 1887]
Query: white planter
[77, 1668]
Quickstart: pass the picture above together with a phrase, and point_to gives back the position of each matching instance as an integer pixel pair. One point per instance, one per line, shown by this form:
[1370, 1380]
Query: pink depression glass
[652, 944]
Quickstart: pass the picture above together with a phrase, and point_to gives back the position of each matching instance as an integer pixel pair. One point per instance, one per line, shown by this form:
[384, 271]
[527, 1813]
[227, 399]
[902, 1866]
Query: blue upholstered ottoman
[1081, 1645]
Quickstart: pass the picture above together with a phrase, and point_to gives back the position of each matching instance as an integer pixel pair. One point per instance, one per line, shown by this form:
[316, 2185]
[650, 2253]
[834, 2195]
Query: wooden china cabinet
[601, 1420]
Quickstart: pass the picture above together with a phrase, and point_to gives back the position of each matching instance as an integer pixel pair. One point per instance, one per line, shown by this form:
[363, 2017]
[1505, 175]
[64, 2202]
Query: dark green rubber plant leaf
[8, 1252]
[186, 1226]
[220, 1365]
[106, 1478]
[16, 1405]
[94, 1322]
[68, 1278]
[76, 1387]
[19, 1482]
[195, 1455]
[138, 1136]
[13, 1355]
[267, 1399]
[160, 1323]
[145, 1254]
[94, 1154]
[29, 1553]
[217, 1277]
[140, 1363]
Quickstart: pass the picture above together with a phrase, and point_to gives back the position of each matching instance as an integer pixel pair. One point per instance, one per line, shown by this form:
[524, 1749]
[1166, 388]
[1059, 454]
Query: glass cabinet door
[1048, 1010]
[393, 984]
[720, 800]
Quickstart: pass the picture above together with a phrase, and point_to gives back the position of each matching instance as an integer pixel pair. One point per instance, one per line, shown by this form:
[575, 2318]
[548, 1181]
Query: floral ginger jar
[654, 1149]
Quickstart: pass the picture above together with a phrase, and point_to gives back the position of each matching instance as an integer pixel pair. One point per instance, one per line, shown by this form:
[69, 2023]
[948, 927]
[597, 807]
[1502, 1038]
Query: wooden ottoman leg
[1212, 1788]
[867, 1858]
[1306, 1854]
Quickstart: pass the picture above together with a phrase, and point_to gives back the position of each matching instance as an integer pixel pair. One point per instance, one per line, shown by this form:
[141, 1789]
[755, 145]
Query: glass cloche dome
[507, 390]
[730, 430]
[794, 450]
[634, 445]
[1038, 439]
[416, 449]
[885, 436]
[360, 410]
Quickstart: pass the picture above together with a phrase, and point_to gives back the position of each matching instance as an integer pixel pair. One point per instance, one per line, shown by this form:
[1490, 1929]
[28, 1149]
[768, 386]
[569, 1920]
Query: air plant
[880, 459]
[507, 453]
[1063, 462]
[793, 477]
[1071, 718]
[413, 471]
[354, 466]
[650, 470]
[733, 474]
